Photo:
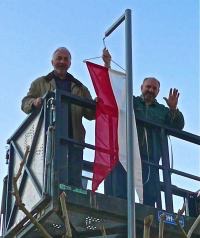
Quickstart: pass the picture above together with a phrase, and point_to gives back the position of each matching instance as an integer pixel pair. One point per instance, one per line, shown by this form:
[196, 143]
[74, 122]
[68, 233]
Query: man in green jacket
[59, 78]
[147, 107]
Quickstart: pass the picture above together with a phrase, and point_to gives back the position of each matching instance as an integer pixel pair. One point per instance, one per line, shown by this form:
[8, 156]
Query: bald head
[152, 78]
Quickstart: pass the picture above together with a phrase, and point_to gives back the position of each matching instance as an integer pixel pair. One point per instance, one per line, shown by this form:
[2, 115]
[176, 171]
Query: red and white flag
[110, 127]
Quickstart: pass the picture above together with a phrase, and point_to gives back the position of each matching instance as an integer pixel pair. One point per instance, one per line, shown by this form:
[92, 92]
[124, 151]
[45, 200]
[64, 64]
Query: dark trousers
[71, 167]
[150, 178]
[116, 183]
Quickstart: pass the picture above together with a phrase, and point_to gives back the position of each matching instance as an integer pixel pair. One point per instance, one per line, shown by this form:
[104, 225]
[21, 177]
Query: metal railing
[55, 116]
[166, 186]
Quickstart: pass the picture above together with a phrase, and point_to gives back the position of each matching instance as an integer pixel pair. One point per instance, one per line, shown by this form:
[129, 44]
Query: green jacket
[47, 83]
[156, 113]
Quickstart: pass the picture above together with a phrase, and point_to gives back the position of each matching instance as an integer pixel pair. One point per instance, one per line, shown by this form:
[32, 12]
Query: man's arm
[32, 99]
[175, 119]
[106, 58]
[87, 113]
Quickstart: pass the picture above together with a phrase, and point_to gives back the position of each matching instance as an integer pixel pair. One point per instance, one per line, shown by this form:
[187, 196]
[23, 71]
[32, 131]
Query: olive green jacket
[47, 83]
[156, 113]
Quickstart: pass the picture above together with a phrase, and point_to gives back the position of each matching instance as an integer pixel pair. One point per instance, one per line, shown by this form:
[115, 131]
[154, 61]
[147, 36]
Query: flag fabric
[110, 127]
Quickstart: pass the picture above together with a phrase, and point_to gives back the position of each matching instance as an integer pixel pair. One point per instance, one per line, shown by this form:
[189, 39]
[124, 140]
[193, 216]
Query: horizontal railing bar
[171, 131]
[174, 171]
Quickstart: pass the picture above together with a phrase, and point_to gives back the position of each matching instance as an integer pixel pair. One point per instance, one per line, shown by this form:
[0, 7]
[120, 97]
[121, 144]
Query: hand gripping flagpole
[129, 119]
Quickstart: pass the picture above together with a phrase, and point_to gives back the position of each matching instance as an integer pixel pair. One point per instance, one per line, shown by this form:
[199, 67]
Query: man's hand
[106, 58]
[37, 102]
[172, 100]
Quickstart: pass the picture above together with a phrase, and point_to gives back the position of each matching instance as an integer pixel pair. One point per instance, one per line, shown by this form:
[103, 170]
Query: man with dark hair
[147, 107]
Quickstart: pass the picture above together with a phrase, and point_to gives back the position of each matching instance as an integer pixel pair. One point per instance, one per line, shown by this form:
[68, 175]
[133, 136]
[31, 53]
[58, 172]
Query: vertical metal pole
[129, 105]
[166, 172]
[129, 119]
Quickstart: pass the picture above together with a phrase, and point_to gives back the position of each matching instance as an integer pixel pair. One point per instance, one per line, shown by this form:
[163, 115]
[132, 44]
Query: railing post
[61, 172]
[166, 172]
[156, 158]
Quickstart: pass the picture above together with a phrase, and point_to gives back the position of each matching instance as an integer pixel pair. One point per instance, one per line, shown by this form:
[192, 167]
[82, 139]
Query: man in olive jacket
[61, 79]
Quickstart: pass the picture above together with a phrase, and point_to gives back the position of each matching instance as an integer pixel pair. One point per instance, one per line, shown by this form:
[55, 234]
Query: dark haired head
[152, 78]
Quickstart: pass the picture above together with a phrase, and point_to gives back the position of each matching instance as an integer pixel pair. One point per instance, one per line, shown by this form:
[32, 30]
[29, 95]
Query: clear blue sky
[165, 45]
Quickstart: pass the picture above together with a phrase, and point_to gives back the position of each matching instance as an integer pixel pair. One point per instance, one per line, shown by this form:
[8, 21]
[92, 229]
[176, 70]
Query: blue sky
[165, 45]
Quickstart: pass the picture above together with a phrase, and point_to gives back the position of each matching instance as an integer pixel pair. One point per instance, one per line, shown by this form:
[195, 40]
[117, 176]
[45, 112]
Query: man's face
[61, 61]
[150, 89]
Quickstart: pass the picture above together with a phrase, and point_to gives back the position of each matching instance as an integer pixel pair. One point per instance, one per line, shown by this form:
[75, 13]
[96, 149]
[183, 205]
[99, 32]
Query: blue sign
[170, 218]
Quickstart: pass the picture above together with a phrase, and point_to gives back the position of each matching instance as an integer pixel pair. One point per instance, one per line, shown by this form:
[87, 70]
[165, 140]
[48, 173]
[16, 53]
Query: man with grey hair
[59, 78]
[61, 61]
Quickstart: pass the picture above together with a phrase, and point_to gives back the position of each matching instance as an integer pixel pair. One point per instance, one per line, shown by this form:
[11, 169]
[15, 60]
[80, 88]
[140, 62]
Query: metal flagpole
[129, 119]
[129, 104]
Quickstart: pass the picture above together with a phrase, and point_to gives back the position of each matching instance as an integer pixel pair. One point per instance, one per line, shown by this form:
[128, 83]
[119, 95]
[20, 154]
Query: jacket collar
[142, 99]
[51, 76]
